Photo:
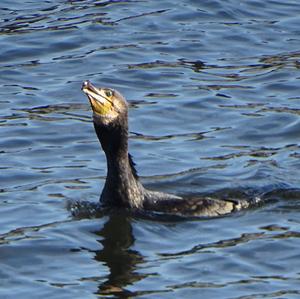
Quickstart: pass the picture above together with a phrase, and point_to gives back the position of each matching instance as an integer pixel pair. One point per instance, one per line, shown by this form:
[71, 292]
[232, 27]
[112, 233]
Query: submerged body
[122, 186]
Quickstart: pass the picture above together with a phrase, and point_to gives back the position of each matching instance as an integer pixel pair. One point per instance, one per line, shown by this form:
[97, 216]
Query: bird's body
[122, 186]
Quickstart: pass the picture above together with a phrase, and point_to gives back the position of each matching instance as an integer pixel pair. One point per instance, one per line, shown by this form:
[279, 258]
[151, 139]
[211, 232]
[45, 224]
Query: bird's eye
[108, 93]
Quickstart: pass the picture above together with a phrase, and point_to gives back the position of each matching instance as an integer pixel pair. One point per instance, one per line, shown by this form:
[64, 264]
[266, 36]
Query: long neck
[122, 187]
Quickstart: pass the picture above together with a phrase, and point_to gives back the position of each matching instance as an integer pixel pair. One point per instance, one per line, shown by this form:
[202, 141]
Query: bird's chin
[102, 119]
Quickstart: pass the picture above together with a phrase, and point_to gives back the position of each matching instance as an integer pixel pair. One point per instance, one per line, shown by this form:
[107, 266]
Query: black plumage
[122, 186]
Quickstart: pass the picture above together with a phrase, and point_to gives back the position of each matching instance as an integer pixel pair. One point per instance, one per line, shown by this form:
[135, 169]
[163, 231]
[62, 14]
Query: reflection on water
[214, 99]
[118, 256]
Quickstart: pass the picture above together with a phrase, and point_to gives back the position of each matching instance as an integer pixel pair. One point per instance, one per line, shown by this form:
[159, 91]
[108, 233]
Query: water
[214, 93]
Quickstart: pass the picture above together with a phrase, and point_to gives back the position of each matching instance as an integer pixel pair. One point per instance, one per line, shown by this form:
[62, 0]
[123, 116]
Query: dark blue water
[215, 105]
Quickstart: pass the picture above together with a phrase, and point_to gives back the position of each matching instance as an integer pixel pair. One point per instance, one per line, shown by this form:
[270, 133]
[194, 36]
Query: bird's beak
[101, 102]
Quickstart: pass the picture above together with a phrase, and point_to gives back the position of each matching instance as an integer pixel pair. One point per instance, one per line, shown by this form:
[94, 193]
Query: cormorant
[122, 186]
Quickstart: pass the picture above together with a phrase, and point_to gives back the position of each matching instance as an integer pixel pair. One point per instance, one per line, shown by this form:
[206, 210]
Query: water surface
[214, 100]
